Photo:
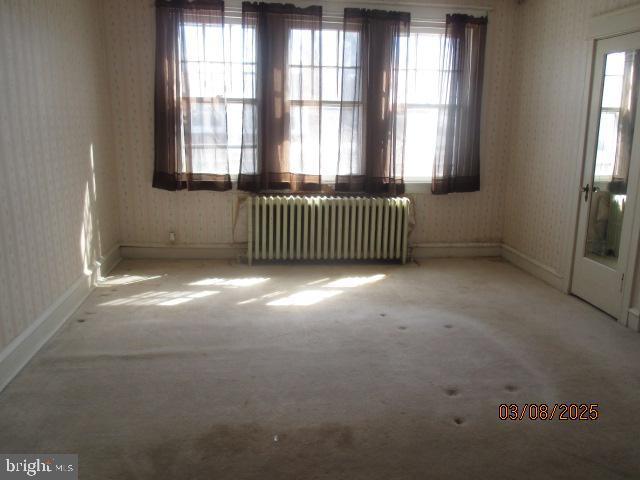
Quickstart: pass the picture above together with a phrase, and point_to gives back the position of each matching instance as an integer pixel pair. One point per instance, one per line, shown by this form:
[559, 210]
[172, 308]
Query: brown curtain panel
[281, 125]
[190, 112]
[372, 133]
[456, 166]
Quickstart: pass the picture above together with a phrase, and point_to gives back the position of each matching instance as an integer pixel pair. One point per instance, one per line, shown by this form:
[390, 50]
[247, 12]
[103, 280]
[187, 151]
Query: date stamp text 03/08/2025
[553, 411]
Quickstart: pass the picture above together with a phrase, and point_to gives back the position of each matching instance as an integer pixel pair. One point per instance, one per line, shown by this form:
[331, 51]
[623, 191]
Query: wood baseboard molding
[21, 349]
[220, 251]
[534, 267]
[450, 250]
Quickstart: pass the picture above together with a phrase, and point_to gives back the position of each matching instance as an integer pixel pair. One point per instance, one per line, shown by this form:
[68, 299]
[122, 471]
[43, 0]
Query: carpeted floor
[209, 370]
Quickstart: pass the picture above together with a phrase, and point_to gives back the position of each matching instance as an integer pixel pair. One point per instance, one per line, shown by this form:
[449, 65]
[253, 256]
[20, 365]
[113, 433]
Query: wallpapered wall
[76, 133]
[548, 84]
[206, 218]
[58, 207]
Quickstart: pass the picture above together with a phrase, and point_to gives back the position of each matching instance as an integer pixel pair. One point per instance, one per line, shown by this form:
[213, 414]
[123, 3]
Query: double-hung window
[218, 79]
[221, 78]
[339, 70]
[317, 68]
[423, 105]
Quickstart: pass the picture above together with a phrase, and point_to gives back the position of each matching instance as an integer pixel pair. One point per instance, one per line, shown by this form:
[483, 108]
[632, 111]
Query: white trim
[214, 251]
[574, 192]
[21, 349]
[108, 261]
[633, 319]
[534, 267]
[448, 250]
[618, 22]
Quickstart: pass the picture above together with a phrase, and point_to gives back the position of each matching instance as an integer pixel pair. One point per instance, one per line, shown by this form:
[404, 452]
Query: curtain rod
[382, 3]
[446, 6]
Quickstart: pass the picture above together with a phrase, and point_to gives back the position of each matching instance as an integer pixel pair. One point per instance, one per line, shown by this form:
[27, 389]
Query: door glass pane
[615, 135]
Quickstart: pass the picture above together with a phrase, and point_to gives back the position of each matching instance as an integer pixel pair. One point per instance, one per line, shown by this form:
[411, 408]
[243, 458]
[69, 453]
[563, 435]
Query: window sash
[321, 103]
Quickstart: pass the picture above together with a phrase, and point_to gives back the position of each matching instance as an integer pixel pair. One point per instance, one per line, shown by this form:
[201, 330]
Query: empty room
[332, 239]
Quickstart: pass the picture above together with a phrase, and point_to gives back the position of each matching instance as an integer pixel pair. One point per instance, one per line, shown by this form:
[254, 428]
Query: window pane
[208, 124]
[204, 80]
[194, 42]
[350, 140]
[428, 51]
[422, 86]
[615, 64]
[422, 79]
[612, 93]
[209, 160]
[305, 136]
[607, 145]
[330, 47]
[420, 146]
[214, 43]
[331, 84]
[351, 46]
[218, 71]
[304, 47]
[330, 133]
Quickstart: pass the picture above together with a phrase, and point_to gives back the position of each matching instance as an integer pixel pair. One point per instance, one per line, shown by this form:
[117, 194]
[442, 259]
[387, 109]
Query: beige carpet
[209, 370]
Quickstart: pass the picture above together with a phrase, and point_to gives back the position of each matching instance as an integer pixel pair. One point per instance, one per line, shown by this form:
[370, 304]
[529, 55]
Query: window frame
[330, 22]
[227, 20]
[420, 184]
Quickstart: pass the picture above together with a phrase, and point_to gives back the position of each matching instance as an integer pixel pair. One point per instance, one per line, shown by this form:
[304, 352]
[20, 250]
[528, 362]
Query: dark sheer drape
[456, 166]
[372, 133]
[281, 127]
[190, 116]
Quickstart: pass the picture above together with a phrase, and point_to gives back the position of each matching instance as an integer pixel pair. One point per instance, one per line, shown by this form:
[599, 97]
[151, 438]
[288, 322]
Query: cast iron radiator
[327, 228]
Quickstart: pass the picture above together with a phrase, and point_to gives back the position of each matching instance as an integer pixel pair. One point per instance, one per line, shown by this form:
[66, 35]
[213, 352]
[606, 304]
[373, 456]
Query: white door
[610, 176]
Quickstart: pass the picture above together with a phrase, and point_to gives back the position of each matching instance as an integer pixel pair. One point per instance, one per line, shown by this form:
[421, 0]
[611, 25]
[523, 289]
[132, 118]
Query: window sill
[417, 187]
[421, 187]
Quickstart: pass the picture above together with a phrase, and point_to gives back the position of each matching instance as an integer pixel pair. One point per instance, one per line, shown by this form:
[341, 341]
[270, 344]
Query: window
[219, 78]
[219, 81]
[304, 93]
[610, 115]
[422, 104]
[313, 78]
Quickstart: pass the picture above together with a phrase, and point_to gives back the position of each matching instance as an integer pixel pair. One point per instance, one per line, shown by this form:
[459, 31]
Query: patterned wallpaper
[205, 218]
[77, 129]
[58, 207]
[548, 85]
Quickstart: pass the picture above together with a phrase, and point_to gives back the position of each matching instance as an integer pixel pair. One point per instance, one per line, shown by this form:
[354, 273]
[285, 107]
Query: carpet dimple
[200, 389]
[451, 392]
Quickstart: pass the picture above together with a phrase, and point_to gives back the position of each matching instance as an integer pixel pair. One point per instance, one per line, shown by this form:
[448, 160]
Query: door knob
[585, 189]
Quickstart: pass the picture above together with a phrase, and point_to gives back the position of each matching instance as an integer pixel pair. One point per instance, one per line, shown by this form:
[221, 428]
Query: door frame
[612, 24]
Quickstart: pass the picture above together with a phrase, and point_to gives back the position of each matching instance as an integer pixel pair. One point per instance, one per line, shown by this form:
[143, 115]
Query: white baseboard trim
[219, 251]
[448, 250]
[534, 267]
[21, 349]
[108, 262]
[633, 319]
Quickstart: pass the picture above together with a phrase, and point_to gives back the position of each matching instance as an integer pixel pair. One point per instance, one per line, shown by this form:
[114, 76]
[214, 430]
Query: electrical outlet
[172, 237]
